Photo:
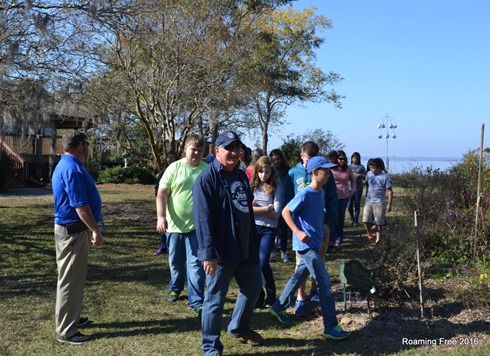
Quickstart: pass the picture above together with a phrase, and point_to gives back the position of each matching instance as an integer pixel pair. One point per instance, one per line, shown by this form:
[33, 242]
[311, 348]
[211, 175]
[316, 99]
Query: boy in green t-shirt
[175, 219]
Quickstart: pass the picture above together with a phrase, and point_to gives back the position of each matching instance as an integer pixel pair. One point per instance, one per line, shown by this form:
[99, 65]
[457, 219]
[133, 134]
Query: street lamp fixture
[388, 125]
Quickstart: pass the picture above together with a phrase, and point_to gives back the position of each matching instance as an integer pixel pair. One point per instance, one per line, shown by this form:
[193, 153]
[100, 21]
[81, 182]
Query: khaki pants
[72, 260]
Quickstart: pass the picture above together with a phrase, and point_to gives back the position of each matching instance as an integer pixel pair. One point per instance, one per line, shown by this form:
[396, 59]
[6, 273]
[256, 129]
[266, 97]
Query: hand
[302, 236]
[161, 225]
[388, 208]
[210, 266]
[96, 238]
[326, 231]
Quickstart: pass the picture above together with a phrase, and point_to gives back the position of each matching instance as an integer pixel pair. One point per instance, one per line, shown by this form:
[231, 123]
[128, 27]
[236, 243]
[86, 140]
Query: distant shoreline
[417, 159]
[397, 165]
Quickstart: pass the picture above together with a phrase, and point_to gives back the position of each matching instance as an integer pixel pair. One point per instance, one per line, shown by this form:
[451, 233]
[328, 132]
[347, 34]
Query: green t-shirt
[179, 178]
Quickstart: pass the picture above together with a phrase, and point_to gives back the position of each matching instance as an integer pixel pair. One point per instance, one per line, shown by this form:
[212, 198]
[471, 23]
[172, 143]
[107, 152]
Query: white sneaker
[284, 257]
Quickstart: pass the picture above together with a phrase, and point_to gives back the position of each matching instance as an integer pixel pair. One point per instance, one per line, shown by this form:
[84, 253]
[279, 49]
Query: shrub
[6, 166]
[94, 168]
[445, 203]
[394, 262]
[32, 182]
[130, 175]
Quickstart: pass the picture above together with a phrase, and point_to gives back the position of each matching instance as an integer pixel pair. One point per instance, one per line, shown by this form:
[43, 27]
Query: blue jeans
[337, 233]
[354, 206]
[282, 233]
[267, 236]
[182, 248]
[248, 278]
[311, 263]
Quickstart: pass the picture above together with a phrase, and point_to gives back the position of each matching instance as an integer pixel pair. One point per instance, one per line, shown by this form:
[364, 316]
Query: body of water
[398, 165]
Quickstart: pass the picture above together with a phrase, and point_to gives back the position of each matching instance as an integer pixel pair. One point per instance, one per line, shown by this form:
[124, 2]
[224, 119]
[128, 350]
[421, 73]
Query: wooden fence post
[421, 289]
[478, 194]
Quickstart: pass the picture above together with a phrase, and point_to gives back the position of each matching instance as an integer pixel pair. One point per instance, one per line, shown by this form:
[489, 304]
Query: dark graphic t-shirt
[241, 211]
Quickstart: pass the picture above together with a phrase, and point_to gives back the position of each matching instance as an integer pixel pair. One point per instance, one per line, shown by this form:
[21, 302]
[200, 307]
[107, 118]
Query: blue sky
[424, 63]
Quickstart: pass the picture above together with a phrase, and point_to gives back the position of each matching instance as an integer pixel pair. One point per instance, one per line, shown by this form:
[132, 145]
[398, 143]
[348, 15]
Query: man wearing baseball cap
[228, 245]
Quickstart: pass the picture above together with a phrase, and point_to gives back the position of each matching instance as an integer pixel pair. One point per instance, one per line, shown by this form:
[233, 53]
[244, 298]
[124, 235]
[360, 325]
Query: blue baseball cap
[318, 162]
[225, 138]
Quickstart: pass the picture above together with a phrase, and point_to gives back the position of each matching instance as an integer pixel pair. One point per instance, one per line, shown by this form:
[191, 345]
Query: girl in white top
[267, 209]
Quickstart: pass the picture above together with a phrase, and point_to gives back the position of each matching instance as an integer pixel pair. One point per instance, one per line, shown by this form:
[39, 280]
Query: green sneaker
[198, 311]
[281, 316]
[173, 296]
[336, 333]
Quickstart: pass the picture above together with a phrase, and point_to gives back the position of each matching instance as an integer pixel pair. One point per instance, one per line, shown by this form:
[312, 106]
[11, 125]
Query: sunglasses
[232, 147]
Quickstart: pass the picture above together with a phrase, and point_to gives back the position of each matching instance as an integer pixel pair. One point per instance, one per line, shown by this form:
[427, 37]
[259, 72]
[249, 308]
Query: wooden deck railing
[19, 169]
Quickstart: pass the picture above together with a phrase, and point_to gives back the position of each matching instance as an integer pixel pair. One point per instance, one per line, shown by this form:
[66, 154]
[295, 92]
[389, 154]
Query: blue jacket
[214, 219]
[298, 179]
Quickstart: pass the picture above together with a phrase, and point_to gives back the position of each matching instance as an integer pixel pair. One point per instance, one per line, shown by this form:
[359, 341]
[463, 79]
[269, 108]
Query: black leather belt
[75, 227]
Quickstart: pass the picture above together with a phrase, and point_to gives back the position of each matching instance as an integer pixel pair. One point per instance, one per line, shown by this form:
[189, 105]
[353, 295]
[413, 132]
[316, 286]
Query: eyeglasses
[232, 147]
[342, 158]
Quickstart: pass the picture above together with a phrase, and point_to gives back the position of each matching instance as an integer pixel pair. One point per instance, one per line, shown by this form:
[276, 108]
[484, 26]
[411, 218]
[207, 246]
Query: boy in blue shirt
[297, 179]
[307, 225]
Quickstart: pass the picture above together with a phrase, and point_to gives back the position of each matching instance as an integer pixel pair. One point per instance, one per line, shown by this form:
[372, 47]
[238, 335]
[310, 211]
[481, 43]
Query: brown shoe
[252, 338]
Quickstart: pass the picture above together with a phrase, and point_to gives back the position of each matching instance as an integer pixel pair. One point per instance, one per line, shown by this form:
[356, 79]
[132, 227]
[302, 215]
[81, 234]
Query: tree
[43, 56]
[282, 68]
[168, 67]
[172, 68]
[54, 40]
[325, 139]
[28, 111]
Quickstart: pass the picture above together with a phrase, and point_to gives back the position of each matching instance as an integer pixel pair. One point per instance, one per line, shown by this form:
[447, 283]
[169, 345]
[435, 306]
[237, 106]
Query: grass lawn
[125, 294]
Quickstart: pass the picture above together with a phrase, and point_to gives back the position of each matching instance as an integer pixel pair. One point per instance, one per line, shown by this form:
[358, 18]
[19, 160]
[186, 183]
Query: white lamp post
[386, 125]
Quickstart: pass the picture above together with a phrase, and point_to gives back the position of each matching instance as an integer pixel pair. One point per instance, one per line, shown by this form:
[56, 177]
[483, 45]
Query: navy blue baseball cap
[318, 162]
[225, 138]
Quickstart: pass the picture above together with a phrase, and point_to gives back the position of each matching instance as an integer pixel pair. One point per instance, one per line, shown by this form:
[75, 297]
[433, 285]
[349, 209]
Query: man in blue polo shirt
[77, 209]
